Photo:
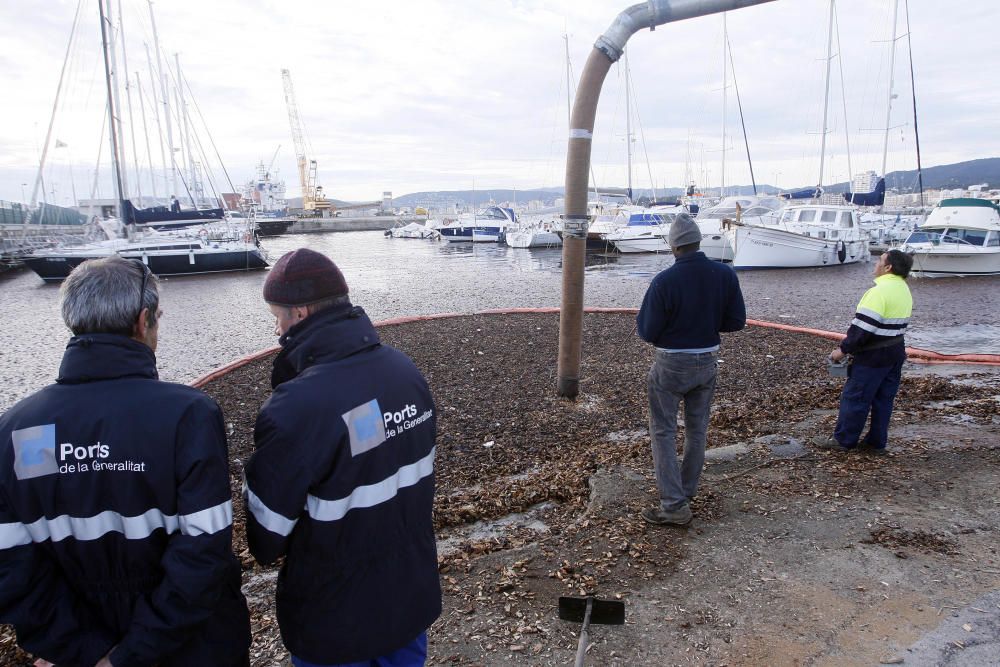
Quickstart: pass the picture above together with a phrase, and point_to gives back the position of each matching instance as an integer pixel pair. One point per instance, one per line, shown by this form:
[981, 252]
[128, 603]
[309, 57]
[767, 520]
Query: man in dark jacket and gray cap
[115, 506]
[342, 481]
[685, 308]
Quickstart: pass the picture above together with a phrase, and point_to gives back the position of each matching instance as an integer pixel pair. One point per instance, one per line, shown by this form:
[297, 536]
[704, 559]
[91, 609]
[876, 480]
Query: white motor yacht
[961, 237]
[485, 226]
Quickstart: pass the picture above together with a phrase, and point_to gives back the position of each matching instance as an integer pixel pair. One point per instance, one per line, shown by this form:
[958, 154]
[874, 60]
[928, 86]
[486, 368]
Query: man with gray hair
[684, 310]
[115, 505]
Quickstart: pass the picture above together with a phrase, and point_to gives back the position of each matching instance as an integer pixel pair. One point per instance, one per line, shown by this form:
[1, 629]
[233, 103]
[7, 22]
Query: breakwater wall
[342, 224]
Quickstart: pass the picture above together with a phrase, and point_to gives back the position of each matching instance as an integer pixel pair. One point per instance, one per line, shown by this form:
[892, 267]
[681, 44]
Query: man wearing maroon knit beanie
[342, 480]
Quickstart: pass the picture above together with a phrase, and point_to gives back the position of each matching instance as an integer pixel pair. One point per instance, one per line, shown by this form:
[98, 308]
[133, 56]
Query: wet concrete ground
[211, 320]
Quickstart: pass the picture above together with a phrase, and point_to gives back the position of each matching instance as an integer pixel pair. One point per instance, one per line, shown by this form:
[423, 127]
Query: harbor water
[211, 320]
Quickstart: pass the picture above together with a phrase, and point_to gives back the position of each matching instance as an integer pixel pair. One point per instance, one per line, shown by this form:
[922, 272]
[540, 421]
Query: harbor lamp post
[608, 48]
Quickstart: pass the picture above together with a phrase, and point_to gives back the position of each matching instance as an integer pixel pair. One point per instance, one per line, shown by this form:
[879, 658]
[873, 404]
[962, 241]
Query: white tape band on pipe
[580, 134]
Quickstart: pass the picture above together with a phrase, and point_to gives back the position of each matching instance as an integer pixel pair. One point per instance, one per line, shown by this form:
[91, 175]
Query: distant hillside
[948, 176]
[474, 197]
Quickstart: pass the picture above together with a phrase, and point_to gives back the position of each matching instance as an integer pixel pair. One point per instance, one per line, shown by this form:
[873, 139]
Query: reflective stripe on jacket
[116, 517]
[875, 336]
[342, 485]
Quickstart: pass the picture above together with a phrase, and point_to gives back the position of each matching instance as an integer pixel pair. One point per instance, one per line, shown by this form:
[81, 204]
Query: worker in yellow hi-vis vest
[875, 340]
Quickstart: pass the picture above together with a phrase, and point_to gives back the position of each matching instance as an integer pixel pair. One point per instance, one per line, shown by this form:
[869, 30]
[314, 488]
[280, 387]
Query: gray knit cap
[684, 231]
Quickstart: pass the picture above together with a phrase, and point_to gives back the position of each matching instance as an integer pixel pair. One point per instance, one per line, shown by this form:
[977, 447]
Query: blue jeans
[869, 389]
[413, 654]
[676, 377]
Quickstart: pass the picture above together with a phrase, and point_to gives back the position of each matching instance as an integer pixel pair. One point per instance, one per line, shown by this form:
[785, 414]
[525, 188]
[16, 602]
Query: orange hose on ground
[914, 353]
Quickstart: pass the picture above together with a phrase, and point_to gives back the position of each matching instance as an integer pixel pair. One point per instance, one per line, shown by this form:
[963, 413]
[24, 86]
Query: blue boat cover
[645, 220]
[874, 198]
[138, 216]
[807, 193]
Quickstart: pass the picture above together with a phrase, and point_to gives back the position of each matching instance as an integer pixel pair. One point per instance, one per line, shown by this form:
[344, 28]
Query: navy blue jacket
[342, 485]
[689, 303]
[116, 517]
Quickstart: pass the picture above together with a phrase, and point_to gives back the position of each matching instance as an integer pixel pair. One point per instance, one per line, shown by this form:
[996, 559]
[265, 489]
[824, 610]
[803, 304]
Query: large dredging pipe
[608, 48]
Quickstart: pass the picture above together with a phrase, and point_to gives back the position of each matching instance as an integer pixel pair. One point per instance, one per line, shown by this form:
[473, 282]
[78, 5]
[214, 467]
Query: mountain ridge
[948, 176]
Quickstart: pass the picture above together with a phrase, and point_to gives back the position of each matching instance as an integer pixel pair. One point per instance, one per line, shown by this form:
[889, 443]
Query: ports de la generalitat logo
[35, 451]
[365, 427]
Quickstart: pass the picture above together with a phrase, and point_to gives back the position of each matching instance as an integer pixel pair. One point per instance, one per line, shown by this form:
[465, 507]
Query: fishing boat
[807, 235]
[961, 237]
[485, 226]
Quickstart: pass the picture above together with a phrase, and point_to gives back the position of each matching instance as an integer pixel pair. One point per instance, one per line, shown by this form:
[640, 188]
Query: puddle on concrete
[495, 529]
[626, 436]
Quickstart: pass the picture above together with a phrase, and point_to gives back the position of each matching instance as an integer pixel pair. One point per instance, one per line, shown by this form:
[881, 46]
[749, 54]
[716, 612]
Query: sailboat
[215, 246]
[886, 227]
[811, 234]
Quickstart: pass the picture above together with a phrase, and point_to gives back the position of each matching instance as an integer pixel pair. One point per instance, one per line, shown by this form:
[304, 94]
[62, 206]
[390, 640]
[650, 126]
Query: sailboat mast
[913, 89]
[55, 105]
[826, 97]
[725, 74]
[186, 133]
[843, 100]
[628, 124]
[115, 157]
[166, 102]
[892, 66]
[145, 131]
[128, 101]
[156, 115]
[113, 83]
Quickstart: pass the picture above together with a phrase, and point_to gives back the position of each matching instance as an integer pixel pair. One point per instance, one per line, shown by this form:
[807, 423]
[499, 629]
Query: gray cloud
[433, 94]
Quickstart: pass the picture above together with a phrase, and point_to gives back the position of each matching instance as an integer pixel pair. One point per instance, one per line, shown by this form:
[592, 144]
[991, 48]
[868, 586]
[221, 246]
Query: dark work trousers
[673, 378]
[868, 389]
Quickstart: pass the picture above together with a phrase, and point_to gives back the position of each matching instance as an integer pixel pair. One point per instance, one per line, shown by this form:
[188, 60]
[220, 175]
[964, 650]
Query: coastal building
[864, 182]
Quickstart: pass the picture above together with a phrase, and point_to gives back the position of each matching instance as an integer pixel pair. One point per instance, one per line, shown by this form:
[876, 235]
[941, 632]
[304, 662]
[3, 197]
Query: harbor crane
[313, 198]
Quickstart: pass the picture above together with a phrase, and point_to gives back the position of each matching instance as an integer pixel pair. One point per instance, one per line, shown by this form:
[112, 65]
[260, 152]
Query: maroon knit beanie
[302, 277]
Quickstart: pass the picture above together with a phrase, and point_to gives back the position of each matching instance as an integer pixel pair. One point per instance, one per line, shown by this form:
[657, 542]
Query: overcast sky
[411, 95]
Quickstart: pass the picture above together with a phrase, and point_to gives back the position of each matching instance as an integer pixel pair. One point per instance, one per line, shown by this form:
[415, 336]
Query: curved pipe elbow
[657, 12]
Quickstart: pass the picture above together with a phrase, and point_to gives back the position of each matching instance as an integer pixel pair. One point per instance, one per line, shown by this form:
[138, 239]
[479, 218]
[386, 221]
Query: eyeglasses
[145, 281]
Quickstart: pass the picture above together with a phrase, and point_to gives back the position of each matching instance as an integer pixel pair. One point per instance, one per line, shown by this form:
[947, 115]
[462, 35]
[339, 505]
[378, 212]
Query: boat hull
[528, 239]
[650, 243]
[771, 248]
[471, 234]
[54, 268]
[934, 263]
[714, 242]
[273, 226]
